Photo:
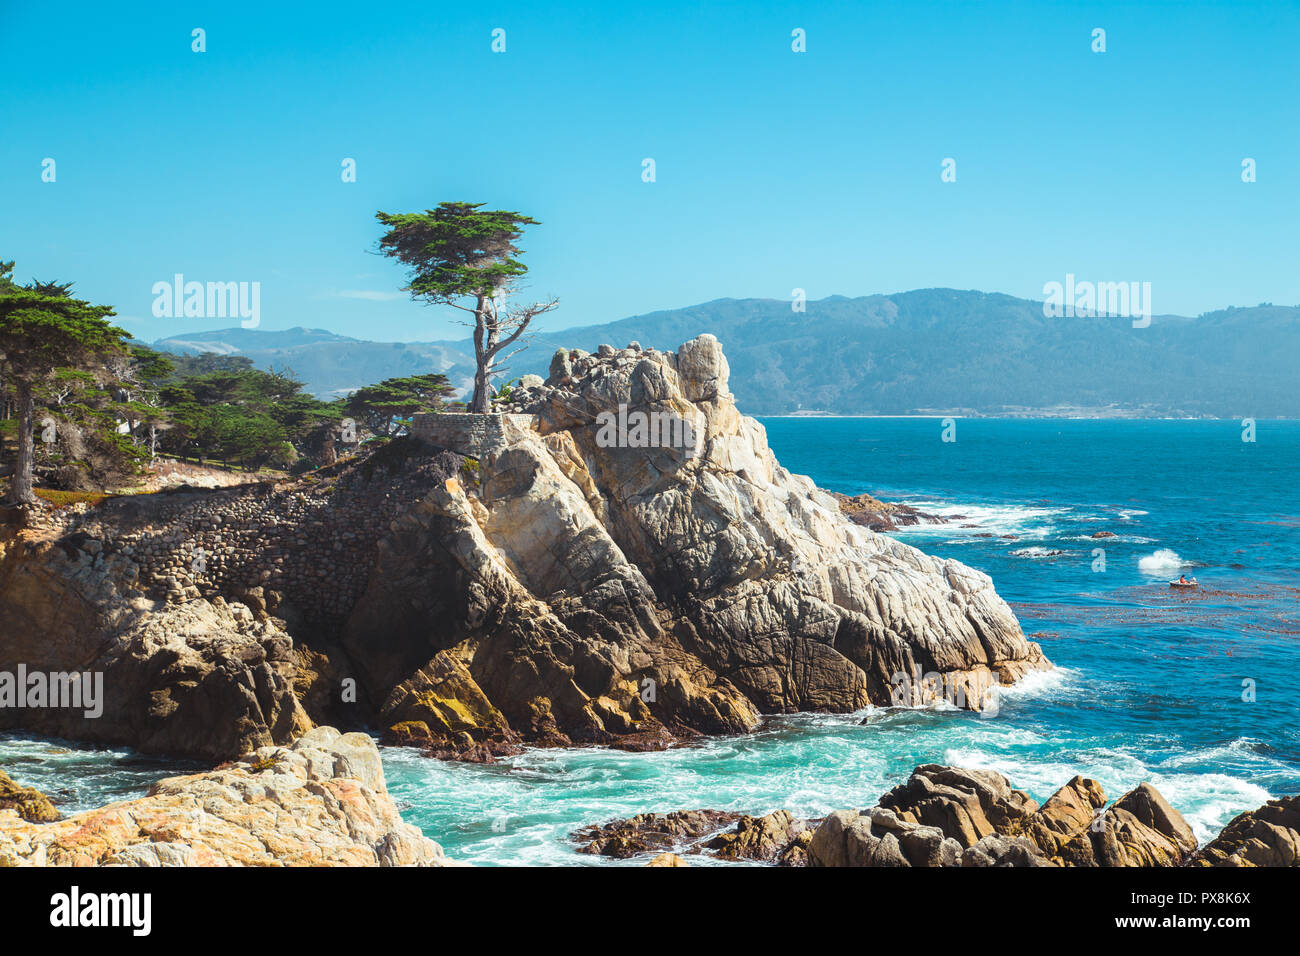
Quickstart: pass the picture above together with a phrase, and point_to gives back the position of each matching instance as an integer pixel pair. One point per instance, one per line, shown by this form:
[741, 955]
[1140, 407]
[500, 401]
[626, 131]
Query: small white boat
[1184, 584]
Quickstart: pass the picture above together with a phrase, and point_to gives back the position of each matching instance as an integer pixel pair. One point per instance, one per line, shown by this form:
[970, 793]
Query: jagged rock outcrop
[950, 816]
[778, 837]
[441, 708]
[764, 838]
[320, 802]
[1142, 829]
[640, 567]
[879, 837]
[1060, 828]
[652, 832]
[637, 569]
[1269, 836]
[966, 805]
[870, 512]
[199, 678]
[185, 601]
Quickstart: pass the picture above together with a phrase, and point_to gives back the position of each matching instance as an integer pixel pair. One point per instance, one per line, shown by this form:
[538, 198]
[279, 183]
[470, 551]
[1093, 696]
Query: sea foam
[1162, 561]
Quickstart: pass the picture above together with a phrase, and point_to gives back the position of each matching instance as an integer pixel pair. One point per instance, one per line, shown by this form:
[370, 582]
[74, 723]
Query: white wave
[1041, 778]
[1209, 801]
[1239, 749]
[1026, 521]
[1040, 684]
[1162, 561]
[1129, 513]
[1120, 538]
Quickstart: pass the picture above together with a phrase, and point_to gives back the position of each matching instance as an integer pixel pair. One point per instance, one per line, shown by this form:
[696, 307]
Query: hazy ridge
[929, 350]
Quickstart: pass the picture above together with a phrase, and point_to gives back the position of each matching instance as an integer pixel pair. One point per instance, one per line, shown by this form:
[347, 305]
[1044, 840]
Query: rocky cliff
[194, 677]
[950, 816]
[953, 816]
[320, 802]
[199, 607]
[635, 567]
[640, 566]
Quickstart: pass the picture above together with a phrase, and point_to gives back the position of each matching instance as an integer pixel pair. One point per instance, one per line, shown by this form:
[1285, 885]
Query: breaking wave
[1162, 561]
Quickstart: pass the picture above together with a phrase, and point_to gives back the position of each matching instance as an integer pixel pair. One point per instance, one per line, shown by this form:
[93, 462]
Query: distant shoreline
[817, 416]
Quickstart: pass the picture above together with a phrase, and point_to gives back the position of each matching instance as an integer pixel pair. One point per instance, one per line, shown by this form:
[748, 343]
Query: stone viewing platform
[467, 434]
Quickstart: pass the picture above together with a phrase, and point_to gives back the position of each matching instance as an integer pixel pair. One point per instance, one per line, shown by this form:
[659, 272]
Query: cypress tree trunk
[20, 486]
[481, 403]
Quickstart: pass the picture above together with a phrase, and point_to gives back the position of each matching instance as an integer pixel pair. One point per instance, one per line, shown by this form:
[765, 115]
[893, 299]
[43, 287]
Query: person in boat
[1182, 579]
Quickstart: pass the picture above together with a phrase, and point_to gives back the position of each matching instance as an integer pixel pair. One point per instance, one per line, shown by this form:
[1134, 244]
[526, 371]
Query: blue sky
[775, 170]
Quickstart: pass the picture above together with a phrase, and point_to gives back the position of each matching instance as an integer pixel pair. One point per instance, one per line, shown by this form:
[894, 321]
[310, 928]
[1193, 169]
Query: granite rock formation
[635, 568]
[1268, 836]
[30, 804]
[950, 816]
[640, 567]
[195, 677]
[322, 801]
[870, 512]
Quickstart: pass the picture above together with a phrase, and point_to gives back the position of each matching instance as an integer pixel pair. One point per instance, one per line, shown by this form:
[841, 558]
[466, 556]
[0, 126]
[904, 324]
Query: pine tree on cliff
[43, 328]
[459, 254]
[383, 407]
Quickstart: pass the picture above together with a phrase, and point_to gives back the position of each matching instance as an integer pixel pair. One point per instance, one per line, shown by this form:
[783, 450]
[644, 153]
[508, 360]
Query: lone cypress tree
[43, 328]
[460, 253]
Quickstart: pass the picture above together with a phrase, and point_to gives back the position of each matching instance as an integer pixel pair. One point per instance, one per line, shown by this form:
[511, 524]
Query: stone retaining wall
[470, 435]
[305, 548]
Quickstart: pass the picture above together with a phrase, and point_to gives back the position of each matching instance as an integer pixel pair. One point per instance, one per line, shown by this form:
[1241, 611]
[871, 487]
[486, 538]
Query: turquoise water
[1149, 684]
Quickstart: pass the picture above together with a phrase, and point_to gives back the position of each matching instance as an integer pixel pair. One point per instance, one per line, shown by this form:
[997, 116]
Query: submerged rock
[871, 512]
[649, 832]
[320, 802]
[777, 837]
[762, 838]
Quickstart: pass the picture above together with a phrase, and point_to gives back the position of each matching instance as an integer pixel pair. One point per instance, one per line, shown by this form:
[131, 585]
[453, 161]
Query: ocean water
[1151, 684]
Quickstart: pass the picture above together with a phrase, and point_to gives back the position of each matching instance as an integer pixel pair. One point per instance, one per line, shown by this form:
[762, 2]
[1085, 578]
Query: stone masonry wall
[468, 434]
[309, 544]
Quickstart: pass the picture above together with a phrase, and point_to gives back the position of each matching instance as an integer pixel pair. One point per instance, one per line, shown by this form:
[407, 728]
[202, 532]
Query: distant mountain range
[331, 365]
[922, 352]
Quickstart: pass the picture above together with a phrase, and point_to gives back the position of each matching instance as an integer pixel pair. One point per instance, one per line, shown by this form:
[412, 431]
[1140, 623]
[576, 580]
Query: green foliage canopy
[456, 250]
[382, 407]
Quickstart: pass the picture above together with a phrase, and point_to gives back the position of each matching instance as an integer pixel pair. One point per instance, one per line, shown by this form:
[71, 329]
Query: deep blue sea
[1194, 692]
